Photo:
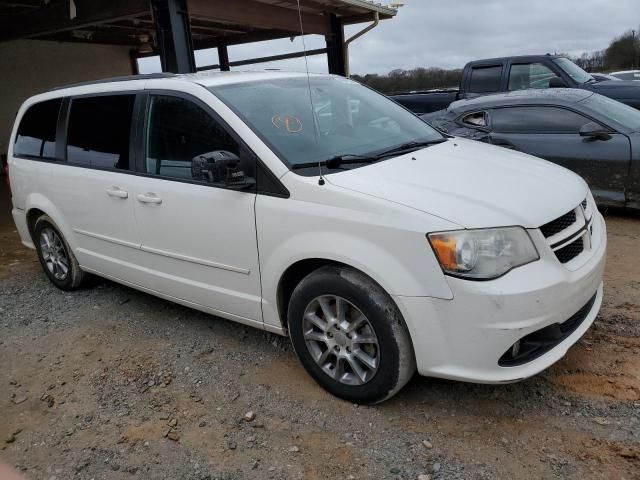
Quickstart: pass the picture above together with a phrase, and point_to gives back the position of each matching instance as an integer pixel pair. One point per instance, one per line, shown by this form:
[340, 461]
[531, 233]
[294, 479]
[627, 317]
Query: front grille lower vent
[559, 224]
[571, 251]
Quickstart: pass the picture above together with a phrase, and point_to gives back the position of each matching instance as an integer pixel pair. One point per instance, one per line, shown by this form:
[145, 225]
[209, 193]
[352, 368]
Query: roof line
[375, 7]
[124, 78]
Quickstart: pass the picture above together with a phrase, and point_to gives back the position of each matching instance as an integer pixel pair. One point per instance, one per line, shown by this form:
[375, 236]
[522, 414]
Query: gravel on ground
[111, 383]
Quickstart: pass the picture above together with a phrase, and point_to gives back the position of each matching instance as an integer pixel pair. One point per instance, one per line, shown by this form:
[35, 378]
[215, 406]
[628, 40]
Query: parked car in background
[378, 244]
[595, 136]
[426, 101]
[484, 77]
[632, 75]
[603, 77]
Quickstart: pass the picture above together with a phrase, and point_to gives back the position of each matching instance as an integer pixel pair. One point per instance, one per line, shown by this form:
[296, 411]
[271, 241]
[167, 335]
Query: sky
[428, 33]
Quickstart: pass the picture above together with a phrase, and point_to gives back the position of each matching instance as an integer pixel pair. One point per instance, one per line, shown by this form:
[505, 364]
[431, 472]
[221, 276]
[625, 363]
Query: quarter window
[36, 136]
[184, 141]
[529, 75]
[99, 131]
[475, 119]
[536, 120]
[485, 79]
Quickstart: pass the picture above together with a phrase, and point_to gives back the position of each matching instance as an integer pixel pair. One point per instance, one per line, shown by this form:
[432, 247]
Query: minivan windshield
[574, 71]
[321, 118]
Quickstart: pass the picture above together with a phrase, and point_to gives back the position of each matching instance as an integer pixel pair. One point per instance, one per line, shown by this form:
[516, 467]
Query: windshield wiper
[350, 158]
[410, 147]
[337, 161]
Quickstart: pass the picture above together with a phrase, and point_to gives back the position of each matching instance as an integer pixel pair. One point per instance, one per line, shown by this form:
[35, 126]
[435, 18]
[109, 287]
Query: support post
[173, 36]
[335, 46]
[223, 58]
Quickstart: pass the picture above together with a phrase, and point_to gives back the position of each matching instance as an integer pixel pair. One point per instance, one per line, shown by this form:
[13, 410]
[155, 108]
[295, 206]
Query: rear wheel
[349, 335]
[57, 260]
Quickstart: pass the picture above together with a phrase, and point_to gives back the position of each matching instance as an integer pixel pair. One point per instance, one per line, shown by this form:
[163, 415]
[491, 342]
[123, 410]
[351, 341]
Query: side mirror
[219, 166]
[595, 131]
[557, 82]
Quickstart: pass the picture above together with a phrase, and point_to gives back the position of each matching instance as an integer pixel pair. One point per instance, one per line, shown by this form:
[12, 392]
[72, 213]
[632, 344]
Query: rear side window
[99, 131]
[485, 79]
[475, 119]
[36, 136]
[536, 120]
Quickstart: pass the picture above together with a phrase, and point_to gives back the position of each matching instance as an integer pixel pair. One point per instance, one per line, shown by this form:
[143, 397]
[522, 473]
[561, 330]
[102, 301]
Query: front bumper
[464, 338]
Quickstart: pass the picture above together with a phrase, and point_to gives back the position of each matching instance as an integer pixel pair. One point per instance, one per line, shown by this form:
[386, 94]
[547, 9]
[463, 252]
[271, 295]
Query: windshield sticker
[289, 123]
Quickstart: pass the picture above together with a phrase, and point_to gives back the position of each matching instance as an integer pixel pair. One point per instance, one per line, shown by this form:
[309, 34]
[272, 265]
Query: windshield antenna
[313, 113]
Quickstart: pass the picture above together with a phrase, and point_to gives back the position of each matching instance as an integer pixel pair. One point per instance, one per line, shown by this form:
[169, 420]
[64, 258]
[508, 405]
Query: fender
[368, 257]
[38, 201]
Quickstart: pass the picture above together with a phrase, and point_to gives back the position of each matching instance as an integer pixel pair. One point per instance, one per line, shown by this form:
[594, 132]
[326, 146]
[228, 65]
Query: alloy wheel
[341, 340]
[54, 253]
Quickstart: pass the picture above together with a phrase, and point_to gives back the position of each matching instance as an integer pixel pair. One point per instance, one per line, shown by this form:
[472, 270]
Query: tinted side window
[529, 75]
[99, 131]
[485, 79]
[37, 131]
[183, 141]
[536, 120]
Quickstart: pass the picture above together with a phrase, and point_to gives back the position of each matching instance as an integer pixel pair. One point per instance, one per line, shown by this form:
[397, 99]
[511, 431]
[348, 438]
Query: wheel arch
[38, 205]
[298, 270]
[33, 215]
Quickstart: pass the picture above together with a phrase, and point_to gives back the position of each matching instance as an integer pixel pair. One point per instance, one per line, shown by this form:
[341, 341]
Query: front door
[552, 133]
[195, 209]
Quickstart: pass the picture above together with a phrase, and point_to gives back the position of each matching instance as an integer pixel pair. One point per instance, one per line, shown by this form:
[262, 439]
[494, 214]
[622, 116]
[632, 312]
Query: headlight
[483, 254]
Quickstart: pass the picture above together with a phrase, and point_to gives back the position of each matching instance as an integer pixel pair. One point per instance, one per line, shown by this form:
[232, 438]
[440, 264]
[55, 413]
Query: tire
[360, 361]
[56, 258]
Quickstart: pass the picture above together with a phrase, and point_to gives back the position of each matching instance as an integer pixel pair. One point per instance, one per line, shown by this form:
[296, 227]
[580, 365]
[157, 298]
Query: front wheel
[350, 335]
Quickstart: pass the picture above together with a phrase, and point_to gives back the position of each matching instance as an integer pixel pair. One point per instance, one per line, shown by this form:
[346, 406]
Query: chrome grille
[570, 234]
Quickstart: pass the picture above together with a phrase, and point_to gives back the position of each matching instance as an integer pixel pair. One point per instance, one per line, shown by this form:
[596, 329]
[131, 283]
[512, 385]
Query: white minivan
[314, 207]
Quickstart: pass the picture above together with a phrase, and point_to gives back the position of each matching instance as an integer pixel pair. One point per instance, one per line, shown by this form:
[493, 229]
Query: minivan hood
[472, 184]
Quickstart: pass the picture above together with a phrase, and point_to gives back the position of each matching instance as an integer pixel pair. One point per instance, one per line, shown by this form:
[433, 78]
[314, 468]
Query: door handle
[149, 197]
[117, 192]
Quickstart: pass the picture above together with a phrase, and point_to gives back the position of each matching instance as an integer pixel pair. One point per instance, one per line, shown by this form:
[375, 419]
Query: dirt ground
[111, 383]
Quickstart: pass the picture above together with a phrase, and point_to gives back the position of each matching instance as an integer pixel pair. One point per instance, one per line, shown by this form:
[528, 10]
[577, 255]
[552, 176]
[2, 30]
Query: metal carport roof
[160, 26]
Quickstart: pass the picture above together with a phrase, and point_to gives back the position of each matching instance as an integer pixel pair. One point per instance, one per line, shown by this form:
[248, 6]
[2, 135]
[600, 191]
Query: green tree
[408, 80]
[623, 52]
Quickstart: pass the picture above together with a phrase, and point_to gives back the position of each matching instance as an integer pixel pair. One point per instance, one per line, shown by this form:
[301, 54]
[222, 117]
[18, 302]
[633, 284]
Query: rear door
[196, 209]
[552, 133]
[93, 189]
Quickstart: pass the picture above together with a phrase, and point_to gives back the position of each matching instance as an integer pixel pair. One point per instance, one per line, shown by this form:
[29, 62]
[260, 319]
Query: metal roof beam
[55, 17]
